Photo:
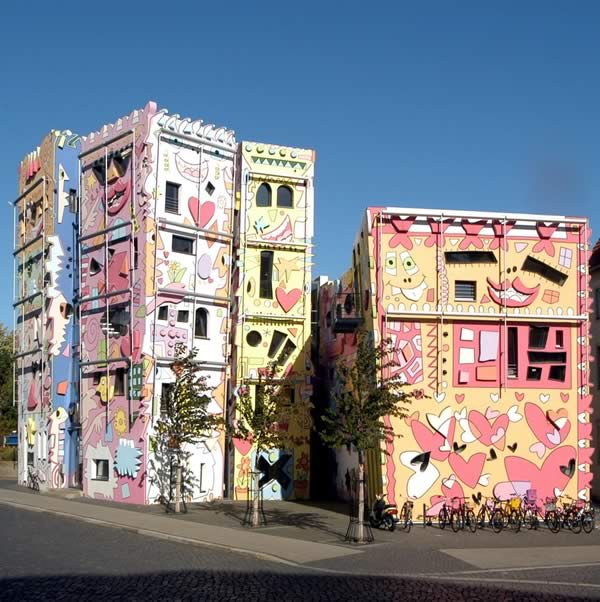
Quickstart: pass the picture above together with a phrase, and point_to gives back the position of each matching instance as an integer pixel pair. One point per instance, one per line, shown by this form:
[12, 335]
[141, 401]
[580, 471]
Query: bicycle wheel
[471, 521]
[576, 523]
[497, 521]
[515, 521]
[481, 518]
[457, 521]
[552, 521]
[587, 522]
[443, 518]
[530, 520]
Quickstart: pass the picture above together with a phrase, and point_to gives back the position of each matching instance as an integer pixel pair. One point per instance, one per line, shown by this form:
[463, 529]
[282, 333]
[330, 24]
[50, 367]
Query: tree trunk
[178, 488]
[255, 520]
[360, 533]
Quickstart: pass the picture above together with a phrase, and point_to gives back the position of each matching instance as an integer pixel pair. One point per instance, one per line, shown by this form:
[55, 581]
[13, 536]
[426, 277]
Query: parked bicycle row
[519, 512]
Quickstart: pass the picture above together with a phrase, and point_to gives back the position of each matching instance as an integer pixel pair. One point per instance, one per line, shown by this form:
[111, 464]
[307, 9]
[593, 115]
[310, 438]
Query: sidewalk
[190, 528]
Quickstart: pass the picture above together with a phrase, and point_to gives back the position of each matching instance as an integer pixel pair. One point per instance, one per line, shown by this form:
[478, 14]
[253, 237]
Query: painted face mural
[114, 175]
[512, 293]
[406, 278]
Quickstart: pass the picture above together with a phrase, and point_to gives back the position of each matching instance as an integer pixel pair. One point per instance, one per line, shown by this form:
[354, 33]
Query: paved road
[45, 557]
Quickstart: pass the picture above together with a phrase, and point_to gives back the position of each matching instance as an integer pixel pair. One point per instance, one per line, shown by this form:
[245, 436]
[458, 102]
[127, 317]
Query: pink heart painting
[429, 441]
[287, 299]
[242, 445]
[468, 471]
[487, 432]
[202, 213]
[551, 428]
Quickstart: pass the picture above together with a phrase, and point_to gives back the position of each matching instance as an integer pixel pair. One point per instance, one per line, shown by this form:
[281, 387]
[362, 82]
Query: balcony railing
[347, 316]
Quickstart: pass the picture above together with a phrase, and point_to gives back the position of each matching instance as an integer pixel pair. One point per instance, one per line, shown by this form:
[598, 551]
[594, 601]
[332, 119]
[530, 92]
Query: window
[546, 357]
[100, 470]
[119, 381]
[534, 373]
[172, 198]
[535, 266]
[513, 362]
[253, 338]
[95, 267]
[118, 320]
[96, 376]
[453, 257]
[183, 315]
[135, 254]
[288, 349]
[210, 189]
[276, 342]
[166, 390]
[201, 325]
[538, 337]
[557, 373]
[263, 196]
[560, 339]
[202, 490]
[266, 274]
[182, 244]
[163, 312]
[464, 290]
[285, 197]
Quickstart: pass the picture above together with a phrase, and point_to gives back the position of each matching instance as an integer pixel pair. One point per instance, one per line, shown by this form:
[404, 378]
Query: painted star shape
[284, 266]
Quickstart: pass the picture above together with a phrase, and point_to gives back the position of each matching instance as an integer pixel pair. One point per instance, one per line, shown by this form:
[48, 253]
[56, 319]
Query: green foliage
[363, 397]
[187, 419]
[8, 412]
[260, 417]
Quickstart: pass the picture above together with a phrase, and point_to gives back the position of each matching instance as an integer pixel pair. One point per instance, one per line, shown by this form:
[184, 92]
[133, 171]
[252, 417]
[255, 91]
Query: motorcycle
[383, 514]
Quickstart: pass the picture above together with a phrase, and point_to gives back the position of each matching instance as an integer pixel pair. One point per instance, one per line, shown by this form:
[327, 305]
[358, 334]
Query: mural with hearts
[272, 304]
[488, 315]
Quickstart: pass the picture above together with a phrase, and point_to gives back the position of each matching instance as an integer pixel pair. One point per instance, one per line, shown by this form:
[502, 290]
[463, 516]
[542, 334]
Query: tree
[186, 419]
[263, 420]
[366, 393]
[8, 412]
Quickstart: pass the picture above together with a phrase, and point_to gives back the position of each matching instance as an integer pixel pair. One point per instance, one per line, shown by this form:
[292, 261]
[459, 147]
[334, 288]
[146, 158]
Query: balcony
[347, 317]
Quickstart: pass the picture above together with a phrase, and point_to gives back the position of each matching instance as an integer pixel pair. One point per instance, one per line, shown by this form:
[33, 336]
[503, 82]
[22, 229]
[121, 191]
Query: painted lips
[118, 195]
[512, 294]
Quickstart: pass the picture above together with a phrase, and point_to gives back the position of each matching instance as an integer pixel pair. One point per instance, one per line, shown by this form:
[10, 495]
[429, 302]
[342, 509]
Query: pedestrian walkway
[259, 543]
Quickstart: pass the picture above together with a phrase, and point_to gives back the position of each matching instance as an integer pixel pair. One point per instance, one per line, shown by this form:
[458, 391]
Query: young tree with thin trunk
[186, 419]
[366, 392]
[263, 419]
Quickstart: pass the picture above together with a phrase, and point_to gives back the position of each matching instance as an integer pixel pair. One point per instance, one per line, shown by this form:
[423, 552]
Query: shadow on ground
[230, 585]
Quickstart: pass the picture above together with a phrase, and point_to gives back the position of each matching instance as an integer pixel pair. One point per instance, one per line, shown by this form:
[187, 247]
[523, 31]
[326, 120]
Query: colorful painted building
[488, 314]
[168, 207]
[272, 312]
[46, 332]
[595, 368]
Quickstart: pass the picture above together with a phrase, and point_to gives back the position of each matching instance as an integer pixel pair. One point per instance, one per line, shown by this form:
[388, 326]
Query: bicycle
[462, 515]
[33, 479]
[444, 516]
[577, 516]
[489, 510]
[405, 518]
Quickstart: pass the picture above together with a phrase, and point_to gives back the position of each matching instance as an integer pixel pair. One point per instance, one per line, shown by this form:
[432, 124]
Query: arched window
[201, 327]
[263, 196]
[285, 197]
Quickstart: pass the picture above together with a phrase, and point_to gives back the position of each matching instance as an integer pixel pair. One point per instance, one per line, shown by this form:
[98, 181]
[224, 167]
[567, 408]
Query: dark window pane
[538, 337]
[172, 198]
[201, 326]
[547, 357]
[120, 381]
[266, 274]
[285, 197]
[470, 257]
[535, 266]
[163, 312]
[560, 339]
[253, 338]
[276, 342]
[182, 244]
[513, 356]
[534, 373]
[263, 196]
[183, 315]
[557, 373]
[165, 392]
[288, 349]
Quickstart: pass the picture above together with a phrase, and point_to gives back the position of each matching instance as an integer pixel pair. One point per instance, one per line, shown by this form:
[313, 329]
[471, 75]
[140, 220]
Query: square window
[465, 290]
[183, 315]
[565, 257]
[182, 244]
[534, 373]
[100, 472]
[538, 337]
[163, 312]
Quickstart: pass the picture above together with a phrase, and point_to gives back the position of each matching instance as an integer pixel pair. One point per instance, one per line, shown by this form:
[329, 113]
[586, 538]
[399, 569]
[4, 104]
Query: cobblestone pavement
[45, 557]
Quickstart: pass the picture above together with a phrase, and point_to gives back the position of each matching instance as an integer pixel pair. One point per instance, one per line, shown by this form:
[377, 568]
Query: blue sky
[462, 105]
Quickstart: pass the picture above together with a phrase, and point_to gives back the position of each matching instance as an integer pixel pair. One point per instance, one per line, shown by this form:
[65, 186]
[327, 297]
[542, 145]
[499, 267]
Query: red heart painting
[242, 445]
[202, 213]
[468, 471]
[488, 433]
[287, 299]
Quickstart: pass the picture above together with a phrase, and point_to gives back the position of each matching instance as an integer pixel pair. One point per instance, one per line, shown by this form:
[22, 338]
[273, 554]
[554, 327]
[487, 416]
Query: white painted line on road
[521, 568]
[526, 581]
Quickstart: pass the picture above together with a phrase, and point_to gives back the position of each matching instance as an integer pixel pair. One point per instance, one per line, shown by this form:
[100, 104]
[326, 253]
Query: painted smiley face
[512, 293]
[402, 265]
[116, 179]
